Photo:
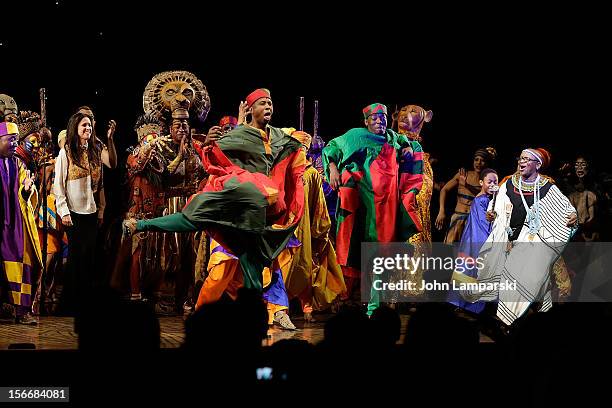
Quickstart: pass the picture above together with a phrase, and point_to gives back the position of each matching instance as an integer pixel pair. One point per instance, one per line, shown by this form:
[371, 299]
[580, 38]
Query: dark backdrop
[510, 78]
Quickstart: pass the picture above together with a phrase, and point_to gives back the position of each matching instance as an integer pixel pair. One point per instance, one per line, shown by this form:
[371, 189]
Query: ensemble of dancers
[249, 204]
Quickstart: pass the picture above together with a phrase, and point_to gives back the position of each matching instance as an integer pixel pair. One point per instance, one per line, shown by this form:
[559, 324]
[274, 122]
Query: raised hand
[112, 126]
[243, 111]
[214, 134]
[161, 143]
[183, 147]
[462, 176]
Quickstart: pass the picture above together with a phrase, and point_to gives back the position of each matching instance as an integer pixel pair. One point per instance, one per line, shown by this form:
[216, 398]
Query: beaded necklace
[533, 214]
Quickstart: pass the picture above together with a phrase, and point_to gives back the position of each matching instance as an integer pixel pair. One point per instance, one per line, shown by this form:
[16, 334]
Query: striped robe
[528, 263]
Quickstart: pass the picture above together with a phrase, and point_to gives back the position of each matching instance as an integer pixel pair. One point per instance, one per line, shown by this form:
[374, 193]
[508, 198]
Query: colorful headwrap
[228, 120]
[488, 153]
[257, 94]
[374, 108]
[8, 128]
[541, 155]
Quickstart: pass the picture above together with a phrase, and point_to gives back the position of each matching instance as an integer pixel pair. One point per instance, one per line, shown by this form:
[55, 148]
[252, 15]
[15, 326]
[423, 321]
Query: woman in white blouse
[79, 196]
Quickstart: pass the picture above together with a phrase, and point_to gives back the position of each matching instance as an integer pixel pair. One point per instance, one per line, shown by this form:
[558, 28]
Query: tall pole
[315, 128]
[43, 188]
[301, 113]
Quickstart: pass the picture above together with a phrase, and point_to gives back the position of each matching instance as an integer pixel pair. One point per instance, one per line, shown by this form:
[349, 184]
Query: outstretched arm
[170, 223]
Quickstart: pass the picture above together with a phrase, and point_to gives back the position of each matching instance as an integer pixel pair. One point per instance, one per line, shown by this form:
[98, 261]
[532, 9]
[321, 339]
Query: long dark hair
[72, 141]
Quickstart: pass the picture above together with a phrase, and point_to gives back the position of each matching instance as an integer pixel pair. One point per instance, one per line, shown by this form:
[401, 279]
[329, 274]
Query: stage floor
[57, 333]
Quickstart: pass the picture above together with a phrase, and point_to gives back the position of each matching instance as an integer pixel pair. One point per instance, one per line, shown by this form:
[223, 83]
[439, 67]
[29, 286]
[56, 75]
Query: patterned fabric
[423, 200]
[541, 155]
[374, 108]
[147, 198]
[315, 155]
[465, 196]
[26, 157]
[77, 189]
[20, 251]
[526, 264]
[227, 120]
[455, 228]
[86, 169]
[8, 128]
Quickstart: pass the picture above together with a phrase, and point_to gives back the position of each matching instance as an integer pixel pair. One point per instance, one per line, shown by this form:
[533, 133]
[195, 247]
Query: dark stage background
[508, 78]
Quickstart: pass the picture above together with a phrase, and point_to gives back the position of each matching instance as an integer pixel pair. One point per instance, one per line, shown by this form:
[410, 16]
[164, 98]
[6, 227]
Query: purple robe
[12, 237]
[474, 235]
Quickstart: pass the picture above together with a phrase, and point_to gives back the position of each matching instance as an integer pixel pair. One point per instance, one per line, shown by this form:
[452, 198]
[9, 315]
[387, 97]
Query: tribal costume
[250, 206]
[381, 174]
[20, 253]
[527, 238]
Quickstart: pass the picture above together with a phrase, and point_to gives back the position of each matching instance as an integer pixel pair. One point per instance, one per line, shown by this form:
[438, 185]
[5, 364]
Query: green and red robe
[253, 200]
[381, 176]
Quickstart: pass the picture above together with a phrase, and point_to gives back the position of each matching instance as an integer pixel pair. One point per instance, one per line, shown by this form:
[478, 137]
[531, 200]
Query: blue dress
[474, 235]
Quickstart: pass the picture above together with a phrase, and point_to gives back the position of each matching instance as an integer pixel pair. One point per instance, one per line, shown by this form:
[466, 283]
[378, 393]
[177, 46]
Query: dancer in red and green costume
[251, 205]
[378, 174]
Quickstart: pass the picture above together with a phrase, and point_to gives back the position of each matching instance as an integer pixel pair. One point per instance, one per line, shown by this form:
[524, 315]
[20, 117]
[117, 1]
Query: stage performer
[20, 252]
[533, 223]
[378, 174]
[251, 205]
